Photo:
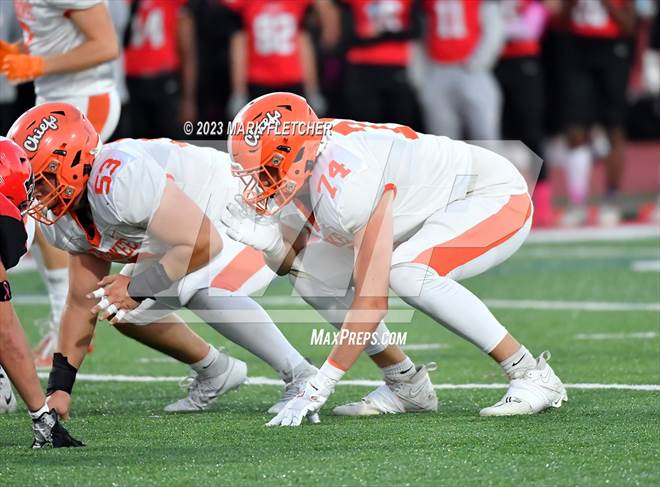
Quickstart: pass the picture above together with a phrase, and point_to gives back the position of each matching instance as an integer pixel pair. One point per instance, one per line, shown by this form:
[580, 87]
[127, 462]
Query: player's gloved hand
[306, 404]
[235, 103]
[8, 48]
[48, 431]
[259, 232]
[22, 67]
[317, 101]
[115, 301]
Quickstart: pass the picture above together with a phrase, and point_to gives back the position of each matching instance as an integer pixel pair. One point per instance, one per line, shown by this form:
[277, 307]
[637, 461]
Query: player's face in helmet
[61, 145]
[273, 144]
[16, 179]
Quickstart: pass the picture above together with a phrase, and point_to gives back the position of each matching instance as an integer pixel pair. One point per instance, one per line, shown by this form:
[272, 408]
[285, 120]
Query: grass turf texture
[598, 437]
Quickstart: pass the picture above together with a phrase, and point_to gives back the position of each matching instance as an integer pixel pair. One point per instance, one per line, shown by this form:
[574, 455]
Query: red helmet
[61, 145]
[273, 143]
[16, 180]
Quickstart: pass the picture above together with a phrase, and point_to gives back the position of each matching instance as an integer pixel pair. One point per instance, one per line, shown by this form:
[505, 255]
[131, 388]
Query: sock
[578, 174]
[520, 360]
[39, 412]
[213, 364]
[400, 372]
[243, 321]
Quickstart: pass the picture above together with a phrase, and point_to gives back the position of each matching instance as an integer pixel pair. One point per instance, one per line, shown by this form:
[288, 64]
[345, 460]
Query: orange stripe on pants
[241, 268]
[98, 110]
[478, 240]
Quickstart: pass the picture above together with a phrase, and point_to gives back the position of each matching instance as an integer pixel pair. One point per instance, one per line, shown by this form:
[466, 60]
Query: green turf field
[601, 436]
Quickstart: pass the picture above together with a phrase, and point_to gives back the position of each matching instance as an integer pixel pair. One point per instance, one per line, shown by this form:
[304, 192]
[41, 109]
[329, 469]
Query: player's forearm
[76, 332]
[238, 62]
[360, 322]
[88, 54]
[188, 55]
[492, 36]
[308, 61]
[17, 360]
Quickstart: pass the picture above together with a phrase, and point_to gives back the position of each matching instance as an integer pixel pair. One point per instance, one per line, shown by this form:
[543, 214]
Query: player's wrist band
[62, 375]
[149, 283]
[5, 291]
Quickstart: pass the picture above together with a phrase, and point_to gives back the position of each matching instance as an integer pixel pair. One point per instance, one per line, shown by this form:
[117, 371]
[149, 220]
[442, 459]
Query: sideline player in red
[419, 212]
[16, 188]
[272, 52]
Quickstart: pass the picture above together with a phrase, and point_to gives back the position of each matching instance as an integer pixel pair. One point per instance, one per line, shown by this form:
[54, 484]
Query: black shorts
[596, 78]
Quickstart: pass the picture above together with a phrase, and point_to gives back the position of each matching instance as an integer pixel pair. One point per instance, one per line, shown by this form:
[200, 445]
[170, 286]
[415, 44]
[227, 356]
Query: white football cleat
[203, 392]
[7, 397]
[413, 396]
[531, 391]
[293, 388]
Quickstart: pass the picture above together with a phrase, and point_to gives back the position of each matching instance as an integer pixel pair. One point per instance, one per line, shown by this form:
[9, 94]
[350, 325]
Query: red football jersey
[589, 18]
[273, 30]
[153, 44]
[453, 29]
[372, 18]
[519, 47]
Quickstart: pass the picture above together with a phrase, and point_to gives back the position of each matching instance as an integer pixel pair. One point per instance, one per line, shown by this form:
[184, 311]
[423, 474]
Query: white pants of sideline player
[465, 239]
[102, 110]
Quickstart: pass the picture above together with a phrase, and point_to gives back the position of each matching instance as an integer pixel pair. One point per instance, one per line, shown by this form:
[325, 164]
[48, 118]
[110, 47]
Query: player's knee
[408, 280]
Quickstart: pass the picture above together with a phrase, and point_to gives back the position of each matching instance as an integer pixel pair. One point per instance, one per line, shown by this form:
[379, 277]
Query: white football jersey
[48, 31]
[124, 191]
[362, 160]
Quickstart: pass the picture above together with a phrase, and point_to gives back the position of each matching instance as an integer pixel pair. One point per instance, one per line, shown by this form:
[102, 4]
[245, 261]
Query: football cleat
[293, 389]
[414, 396]
[43, 352]
[202, 392]
[531, 391]
[48, 431]
[7, 397]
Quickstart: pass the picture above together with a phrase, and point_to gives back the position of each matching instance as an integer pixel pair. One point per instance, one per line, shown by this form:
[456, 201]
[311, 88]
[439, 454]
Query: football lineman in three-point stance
[416, 212]
[16, 187]
[154, 205]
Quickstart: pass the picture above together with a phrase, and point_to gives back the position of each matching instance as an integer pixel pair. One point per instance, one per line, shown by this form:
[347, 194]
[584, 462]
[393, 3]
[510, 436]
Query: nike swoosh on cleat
[516, 363]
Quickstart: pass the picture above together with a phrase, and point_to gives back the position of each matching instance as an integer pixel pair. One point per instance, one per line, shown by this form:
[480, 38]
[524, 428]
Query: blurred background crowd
[577, 81]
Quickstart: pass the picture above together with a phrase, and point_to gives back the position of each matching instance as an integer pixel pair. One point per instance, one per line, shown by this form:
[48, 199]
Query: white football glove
[259, 232]
[306, 404]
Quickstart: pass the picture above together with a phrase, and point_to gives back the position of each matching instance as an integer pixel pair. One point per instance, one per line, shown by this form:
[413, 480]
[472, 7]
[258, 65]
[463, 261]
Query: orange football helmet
[273, 144]
[61, 145]
[16, 179]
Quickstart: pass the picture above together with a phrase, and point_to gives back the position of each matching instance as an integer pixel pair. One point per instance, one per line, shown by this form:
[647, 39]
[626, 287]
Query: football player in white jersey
[419, 213]
[156, 206]
[69, 48]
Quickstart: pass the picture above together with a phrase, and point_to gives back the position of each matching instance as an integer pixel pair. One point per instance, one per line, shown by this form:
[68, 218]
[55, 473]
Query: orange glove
[22, 67]
[7, 48]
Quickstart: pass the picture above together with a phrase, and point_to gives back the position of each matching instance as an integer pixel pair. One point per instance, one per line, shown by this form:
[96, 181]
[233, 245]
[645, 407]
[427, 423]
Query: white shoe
[203, 392]
[7, 397]
[531, 391]
[609, 215]
[574, 217]
[416, 395]
[293, 388]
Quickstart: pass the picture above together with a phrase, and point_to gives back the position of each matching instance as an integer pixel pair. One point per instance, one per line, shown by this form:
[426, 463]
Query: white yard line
[587, 234]
[424, 346]
[617, 336]
[645, 266]
[266, 381]
[312, 317]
